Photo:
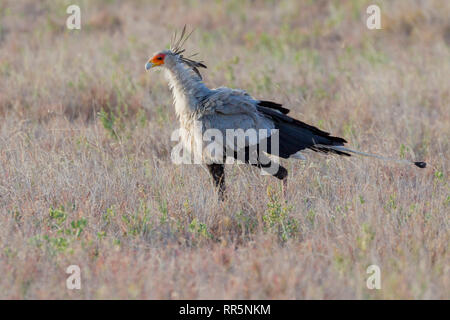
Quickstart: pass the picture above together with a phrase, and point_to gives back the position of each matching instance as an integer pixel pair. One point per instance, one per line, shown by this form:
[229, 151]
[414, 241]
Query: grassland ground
[86, 177]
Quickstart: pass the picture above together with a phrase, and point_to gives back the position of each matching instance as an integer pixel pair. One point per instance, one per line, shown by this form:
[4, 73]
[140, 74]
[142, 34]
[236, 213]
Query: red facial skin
[158, 59]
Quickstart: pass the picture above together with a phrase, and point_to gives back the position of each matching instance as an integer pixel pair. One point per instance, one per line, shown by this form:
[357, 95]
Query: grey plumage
[199, 107]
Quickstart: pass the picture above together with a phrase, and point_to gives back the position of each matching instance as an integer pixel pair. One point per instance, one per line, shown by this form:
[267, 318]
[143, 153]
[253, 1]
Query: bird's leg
[281, 174]
[218, 173]
[284, 188]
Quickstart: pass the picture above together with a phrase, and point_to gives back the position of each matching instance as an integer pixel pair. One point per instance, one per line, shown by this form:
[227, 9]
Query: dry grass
[100, 191]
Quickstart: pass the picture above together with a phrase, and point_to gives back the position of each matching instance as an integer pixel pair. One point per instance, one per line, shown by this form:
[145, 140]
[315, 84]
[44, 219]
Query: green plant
[277, 219]
[108, 120]
[199, 228]
[139, 222]
[57, 217]
[246, 223]
[62, 233]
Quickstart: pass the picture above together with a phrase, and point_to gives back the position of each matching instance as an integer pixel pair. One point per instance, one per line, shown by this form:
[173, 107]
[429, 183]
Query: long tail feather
[419, 164]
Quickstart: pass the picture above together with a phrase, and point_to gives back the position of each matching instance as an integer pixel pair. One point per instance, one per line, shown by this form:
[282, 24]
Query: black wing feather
[296, 135]
[273, 105]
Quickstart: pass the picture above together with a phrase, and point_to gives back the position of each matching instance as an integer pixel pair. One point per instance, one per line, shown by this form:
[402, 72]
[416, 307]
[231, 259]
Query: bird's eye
[159, 58]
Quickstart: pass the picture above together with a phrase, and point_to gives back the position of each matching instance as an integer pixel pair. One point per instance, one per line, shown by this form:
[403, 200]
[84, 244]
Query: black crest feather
[177, 48]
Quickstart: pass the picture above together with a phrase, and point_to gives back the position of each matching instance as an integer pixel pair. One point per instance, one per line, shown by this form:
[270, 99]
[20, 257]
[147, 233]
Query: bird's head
[166, 58]
[159, 59]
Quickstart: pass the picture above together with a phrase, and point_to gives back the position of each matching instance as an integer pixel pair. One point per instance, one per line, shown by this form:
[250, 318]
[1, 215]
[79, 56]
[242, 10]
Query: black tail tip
[420, 164]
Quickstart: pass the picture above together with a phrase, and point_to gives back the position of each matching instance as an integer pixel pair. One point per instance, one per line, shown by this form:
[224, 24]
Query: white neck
[187, 89]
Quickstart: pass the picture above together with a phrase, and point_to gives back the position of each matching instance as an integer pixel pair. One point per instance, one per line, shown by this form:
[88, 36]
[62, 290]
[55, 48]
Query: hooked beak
[149, 65]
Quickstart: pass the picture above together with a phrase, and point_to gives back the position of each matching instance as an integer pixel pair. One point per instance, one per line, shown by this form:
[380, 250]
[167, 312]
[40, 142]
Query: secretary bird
[222, 109]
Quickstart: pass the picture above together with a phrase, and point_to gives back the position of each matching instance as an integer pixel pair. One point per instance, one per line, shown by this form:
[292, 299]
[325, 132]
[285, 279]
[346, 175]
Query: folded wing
[237, 110]
[295, 135]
